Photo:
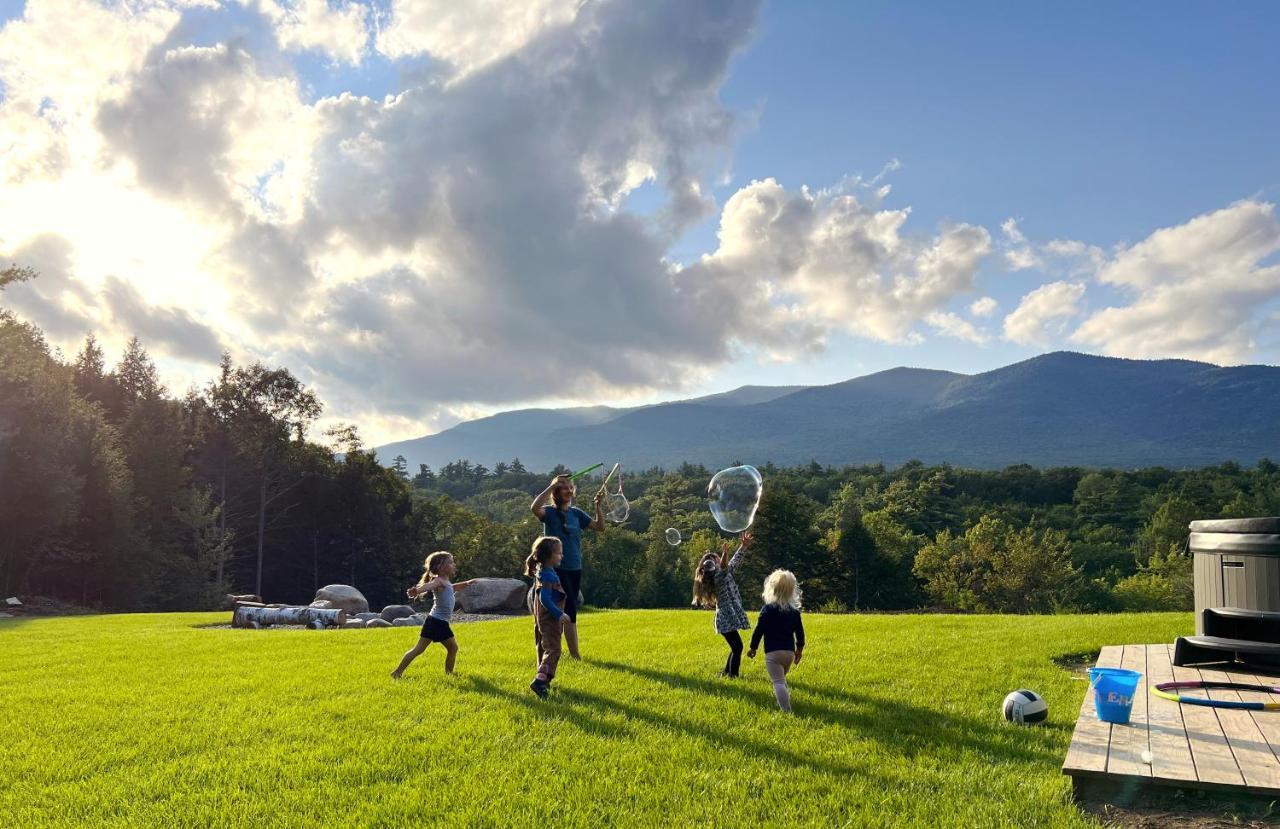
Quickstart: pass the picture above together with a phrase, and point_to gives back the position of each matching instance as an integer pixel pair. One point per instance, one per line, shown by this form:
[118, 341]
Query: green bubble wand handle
[575, 476]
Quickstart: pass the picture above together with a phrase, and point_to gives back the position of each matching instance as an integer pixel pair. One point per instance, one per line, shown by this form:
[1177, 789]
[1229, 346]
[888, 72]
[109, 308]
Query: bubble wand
[575, 476]
[608, 477]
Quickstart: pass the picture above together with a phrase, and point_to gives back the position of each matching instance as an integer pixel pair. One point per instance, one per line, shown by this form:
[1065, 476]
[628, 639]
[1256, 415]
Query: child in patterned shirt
[714, 586]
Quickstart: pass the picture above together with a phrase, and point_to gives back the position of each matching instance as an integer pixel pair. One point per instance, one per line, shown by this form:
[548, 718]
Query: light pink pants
[777, 663]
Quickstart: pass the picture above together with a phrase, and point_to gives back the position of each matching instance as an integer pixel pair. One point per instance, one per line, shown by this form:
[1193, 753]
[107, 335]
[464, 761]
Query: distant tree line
[116, 493]
[1017, 540]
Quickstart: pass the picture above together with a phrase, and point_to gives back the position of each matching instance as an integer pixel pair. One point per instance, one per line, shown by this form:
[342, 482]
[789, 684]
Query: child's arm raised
[539, 505]
[423, 588]
[743, 543]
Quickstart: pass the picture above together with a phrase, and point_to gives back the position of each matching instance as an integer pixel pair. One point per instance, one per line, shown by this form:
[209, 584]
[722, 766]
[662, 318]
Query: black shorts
[436, 630]
[571, 581]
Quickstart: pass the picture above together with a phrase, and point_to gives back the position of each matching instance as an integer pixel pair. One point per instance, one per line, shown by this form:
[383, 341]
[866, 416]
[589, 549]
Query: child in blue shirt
[546, 603]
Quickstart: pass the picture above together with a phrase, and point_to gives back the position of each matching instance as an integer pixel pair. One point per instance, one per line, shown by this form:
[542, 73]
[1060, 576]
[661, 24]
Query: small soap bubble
[733, 496]
[673, 537]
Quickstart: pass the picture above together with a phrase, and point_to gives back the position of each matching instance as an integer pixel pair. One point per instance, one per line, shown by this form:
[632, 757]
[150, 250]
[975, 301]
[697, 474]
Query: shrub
[996, 568]
[1165, 584]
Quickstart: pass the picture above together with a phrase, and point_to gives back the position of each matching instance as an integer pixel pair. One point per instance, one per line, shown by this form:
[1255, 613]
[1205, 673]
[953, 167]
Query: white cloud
[794, 265]
[470, 34]
[204, 124]
[984, 307]
[335, 29]
[1042, 314]
[460, 246]
[951, 325]
[1199, 289]
[1018, 254]
[1021, 259]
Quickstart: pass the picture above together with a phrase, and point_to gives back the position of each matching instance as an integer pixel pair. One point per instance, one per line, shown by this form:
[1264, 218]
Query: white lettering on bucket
[1118, 699]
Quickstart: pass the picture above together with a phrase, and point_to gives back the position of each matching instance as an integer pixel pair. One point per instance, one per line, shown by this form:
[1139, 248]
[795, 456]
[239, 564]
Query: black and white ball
[1025, 707]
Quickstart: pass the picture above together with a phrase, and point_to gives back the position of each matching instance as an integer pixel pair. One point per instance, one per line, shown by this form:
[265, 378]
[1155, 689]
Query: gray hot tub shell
[1237, 564]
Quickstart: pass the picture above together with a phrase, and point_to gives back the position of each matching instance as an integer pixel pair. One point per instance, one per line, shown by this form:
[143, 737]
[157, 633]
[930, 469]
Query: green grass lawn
[151, 720]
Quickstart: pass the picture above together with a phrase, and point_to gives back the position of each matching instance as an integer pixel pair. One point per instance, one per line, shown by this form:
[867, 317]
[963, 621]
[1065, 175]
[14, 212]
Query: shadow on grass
[899, 726]
[744, 746]
[13, 622]
[581, 709]
[549, 708]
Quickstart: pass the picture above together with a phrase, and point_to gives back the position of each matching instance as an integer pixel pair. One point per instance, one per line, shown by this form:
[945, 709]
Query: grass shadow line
[928, 727]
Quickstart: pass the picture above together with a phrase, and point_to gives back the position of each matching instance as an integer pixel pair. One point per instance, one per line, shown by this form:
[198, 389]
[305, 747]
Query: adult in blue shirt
[562, 519]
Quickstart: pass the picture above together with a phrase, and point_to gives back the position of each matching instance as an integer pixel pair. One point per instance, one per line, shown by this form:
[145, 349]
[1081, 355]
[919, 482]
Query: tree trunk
[222, 522]
[262, 526]
[246, 615]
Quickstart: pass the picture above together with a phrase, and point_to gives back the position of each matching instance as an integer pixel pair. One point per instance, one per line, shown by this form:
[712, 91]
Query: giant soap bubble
[616, 507]
[733, 496]
[673, 537]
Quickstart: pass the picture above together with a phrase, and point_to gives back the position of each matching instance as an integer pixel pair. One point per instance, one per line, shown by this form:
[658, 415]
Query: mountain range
[1058, 409]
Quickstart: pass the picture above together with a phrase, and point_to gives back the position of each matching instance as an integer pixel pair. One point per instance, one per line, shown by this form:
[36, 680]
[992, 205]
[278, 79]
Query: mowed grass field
[152, 720]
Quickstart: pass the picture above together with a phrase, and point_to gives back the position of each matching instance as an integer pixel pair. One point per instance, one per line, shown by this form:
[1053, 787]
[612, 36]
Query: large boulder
[377, 623]
[323, 604]
[366, 616]
[493, 596]
[405, 622]
[344, 596]
[396, 611]
[354, 623]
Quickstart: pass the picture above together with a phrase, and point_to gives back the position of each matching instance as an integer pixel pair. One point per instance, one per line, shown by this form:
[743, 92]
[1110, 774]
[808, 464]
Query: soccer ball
[1025, 707]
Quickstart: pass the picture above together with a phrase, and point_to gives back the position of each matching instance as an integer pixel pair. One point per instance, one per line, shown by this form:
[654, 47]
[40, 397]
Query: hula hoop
[1164, 689]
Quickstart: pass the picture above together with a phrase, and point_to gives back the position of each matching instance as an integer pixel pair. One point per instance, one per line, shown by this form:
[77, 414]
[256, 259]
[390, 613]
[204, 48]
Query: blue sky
[402, 200]
[1101, 122]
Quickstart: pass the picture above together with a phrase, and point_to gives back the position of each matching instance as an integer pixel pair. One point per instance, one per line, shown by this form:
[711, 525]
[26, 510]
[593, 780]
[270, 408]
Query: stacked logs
[254, 615]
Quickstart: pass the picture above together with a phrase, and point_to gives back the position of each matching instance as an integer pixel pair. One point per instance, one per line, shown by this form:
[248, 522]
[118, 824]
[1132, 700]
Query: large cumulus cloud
[469, 239]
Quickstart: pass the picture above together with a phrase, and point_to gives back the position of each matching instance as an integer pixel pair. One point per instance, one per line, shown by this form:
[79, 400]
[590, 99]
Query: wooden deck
[1190, 745]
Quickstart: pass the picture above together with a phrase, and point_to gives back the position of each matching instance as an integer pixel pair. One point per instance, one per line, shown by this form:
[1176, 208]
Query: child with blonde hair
[437, 571]
[547, 601]
[714, 586]
[782, 629]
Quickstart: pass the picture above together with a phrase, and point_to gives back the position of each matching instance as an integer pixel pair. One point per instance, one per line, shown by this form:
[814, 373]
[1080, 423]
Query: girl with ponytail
[546, 603]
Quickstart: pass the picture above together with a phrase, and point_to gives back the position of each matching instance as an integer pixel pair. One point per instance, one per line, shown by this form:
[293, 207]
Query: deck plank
[1092, 736]
[1215, 762]
[1129, 740]
[1170, 751]
[1250, 743]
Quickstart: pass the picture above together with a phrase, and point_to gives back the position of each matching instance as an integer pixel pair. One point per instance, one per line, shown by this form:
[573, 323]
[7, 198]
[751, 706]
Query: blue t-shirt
[548, 595]
[567, 526]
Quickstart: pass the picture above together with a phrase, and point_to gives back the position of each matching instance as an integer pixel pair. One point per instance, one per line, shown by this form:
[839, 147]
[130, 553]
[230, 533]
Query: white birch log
[249, 616]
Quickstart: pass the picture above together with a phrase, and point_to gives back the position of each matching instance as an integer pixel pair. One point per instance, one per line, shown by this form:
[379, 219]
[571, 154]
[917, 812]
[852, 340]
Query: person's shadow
[902, 727]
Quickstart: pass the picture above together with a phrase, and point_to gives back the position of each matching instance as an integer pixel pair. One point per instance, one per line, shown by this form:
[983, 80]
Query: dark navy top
[567, 526]
[781, 628]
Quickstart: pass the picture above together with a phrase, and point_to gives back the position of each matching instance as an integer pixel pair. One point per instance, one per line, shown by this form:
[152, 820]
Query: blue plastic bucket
[1113, 690]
